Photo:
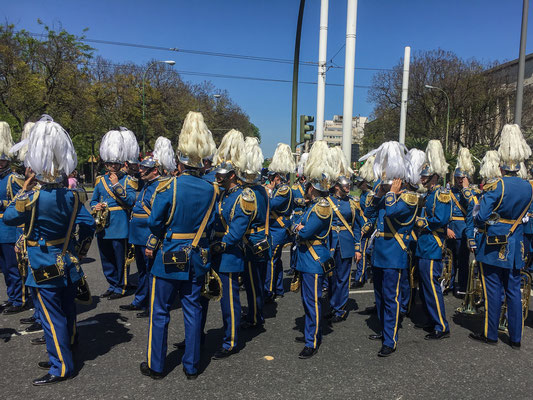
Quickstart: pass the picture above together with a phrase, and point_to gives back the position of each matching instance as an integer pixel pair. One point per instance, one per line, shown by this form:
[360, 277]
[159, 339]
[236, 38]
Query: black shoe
[223, 353]
[336, 319]
[190, 377]
[179, 345]
[144, 314]
[299, 339]
[48, 379]
[329, 315]
[39, 340]
[290, 272]
[27, 321]
[44, 365]
[307, 352]
[13, 310]
[129, 307]
[515, 345]
[250, 325]
[357, 285]
[436, 335]
[35, 327]
[482, 338]
[5, 304]
[107, 293]
[385, 351]
[115, 296]
[147, 371]
[377, 336]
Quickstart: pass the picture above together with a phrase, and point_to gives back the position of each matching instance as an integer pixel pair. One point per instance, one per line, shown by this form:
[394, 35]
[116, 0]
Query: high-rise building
[333, 130]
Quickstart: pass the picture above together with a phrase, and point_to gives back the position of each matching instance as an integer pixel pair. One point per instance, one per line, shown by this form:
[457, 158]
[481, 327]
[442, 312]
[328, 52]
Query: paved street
[113, 343]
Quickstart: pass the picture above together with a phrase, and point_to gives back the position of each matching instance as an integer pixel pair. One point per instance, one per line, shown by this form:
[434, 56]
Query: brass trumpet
[101, 217]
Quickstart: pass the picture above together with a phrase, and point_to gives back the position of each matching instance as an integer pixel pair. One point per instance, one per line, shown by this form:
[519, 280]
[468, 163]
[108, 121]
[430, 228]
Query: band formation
[201, 222]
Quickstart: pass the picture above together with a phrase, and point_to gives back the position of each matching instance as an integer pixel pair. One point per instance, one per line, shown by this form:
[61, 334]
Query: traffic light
[304, 128]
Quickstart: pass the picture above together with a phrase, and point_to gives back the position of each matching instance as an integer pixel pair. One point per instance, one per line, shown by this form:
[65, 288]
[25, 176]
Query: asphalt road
[113, 344]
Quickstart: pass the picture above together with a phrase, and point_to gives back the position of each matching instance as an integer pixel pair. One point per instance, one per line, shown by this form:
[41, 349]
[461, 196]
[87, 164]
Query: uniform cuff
[119, 190]
[152, 242]
[421, 223]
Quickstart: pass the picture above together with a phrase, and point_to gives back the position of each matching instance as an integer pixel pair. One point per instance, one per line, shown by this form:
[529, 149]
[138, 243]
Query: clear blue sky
[485, 29]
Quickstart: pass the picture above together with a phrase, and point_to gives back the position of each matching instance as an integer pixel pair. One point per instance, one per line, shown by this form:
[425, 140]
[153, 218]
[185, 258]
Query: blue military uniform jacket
[280, 213]
[178, 209]
[432, 224]
[234, 212]
[10, 184]
[473, 196]
[257, 228]
[119, 198]
[298, 198]
[459, 211]
[46, 214]
[395, 216]
[349, 242]
[139, 230]
[508, 197]
[315, 234]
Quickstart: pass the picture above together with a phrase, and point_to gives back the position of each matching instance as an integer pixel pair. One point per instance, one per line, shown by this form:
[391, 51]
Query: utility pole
[322, 55]
[295, 76]
[521, 66]
[405, 87]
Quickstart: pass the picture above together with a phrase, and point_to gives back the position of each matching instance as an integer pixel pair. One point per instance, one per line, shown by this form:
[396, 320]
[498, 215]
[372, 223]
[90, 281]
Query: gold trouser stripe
[232, 313]
[55, 242]
[185, 235]
[116, 208]
[272, 268]
[54, 335]
[397, 307]
[126, 251]
[253, 291]
[152, 297]
[486, 325]
[137, 215]
[364, 261]
[316, 311]
[435, 295]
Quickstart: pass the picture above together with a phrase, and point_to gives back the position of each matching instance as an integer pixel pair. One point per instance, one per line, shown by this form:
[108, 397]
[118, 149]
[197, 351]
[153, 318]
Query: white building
[333, 130]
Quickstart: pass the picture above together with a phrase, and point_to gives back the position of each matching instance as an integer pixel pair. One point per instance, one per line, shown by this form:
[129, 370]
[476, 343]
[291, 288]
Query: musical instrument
[525, 289]
[130, 257]
[447, 268]
[474, 292]
[101, 217]
[212, 287]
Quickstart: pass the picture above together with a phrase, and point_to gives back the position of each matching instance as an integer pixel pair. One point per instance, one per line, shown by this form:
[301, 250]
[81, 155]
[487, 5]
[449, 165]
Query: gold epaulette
[133, 182]
[491, 184]
[294, 187]
[444, 196]
[354, 202]
[369, 199]
[283, 190]
[164, 184]
[248, 201]
[410, 198]
[323, 208]
[23, 202]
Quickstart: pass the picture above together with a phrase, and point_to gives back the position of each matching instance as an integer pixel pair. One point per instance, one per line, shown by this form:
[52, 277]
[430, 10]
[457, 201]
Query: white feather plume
[112, 147]
[319, 162]
[340, 163]
[24, 137]
[436, 159]
[490, 165]
[195, 140]
[50, 150]
[282, 161]
[513, 147]
[522, 173]
[131, 147]
[367, 170]
[415, 160]
[464, 161]
[301, 163]
[164, 153]
[6, 140]
[252, 157]
[231, 149]
[390, 161]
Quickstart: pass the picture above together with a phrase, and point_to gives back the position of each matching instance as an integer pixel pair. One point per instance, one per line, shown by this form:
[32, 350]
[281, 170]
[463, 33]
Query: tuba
[525, 288]
[101, 217]
[212, 288]
[447, 268]
[474, 295]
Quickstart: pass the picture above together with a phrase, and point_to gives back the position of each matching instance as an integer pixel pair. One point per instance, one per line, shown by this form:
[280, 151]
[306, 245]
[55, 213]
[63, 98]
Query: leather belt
[313, 242]
[115, 208]
[338, 228]
[136, 215]
[55, 242]
[185, 235]
[255, 230]
[391, 235]
[458, 218]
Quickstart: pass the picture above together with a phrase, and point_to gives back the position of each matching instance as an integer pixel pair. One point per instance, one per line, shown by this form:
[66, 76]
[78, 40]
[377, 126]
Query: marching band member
[431, 236]
[10, 184]
[500, 247]
[314, 259]
[299, 203]
[395, 210]
[281, 203]
[131, 155]
[181, 220]
[50, 213]
[345, 236]
[114, 193]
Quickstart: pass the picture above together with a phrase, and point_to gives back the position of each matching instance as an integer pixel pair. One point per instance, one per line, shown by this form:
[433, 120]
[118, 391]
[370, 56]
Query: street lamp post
[448, 115]
[169, 62]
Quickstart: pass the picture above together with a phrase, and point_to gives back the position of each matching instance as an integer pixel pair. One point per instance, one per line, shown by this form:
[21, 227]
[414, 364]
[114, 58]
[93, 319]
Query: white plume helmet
[112, 147]
[131, 147]
[251, 160]
[6, 141]
[513, 148]
[522, 173]
[490, 165]
[164, 154]
[465, 166]
[415, 160]
[231, 149]
[390, 161]
[51, 153]
[195, 141]
[367, 170]
[283, 161]
[435, 159]
[301, 163]
[24, 137]
[340, 163]
[318, 168]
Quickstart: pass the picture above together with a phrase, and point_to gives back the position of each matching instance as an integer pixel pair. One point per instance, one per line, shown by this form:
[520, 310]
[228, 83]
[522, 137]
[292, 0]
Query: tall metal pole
[521, 66]
[295, 75]
[322, 54]
[349, 71]
[405, 87]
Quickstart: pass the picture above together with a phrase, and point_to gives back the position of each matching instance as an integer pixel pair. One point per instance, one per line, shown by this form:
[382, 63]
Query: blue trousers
[230, 305]
[461, 255]
[254, 285]
[163, 292]
[339, 284]
[113, 257]
[496, 280]
[16, 291]
[405, 290]
[387, 290]
[274, 273]
[311, 293]
[429, 273]
[144, 265]
[361, 270]
[58, 318]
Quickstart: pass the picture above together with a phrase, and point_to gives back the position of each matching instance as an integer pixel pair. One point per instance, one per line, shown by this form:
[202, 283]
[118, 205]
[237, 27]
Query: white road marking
[361, 291]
